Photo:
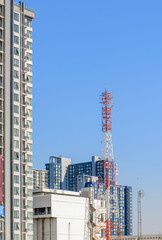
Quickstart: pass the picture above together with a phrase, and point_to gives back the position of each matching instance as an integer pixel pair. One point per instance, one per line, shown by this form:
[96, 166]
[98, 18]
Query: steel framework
[140, 195]
[108, 225]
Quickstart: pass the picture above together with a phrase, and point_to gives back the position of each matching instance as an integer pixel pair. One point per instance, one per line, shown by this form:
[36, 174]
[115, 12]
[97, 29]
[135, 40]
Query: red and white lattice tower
[107, 187]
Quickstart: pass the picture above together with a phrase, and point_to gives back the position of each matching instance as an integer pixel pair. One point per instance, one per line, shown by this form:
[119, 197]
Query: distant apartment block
[40, 179]
[125, 209]
[58, 172]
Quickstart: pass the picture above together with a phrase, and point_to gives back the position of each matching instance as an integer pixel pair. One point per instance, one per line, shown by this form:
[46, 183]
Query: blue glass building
[125, 209]
[78, 169]
[54, 173]
[57, 172]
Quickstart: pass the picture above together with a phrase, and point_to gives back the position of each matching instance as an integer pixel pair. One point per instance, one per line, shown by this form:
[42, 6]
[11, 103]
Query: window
[0, 34]
[29, 79]
[30, 192]
[30, 56]
[16, 167]
[30, 147]
[1, 46]
[16, 132]
[30, 181]
[29, 158]
[30, 226]
[16, 74]
[30, 215]
[16, 16]
[16, 237]
[30, 124]
[16, 28]
[16, 144]
[1, 69]
[16, 202]
[16, 179]
[1, 22]
[16, 120]
[16, 191]
[30, 135]
[30, 237]
[16, 39]
[30, 170]
[1, 10]
[29, 22]
[29, 34]
[30, 113]
[16, 97]
[30, 101]
[29, 67]
[16, 86]
[29, 45]
[16, 156]
[16, 62]
[16, 226]
[30, 203]
[16, 109]
[16, 214]
[16, 51]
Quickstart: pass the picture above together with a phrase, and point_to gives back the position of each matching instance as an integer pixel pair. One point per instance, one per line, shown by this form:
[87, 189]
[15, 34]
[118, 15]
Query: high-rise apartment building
[16, 120]
[124, 194]
[78, 169]
[40, 179]
[58, 172]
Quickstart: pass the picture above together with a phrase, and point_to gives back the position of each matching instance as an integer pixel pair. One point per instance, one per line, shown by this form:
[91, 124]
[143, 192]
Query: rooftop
[28, 8]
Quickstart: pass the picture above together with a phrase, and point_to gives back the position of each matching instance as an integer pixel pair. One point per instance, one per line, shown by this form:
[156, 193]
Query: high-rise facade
[78, 169]
[124, 194]
[58, 172]
[16, 119]
[40, 179]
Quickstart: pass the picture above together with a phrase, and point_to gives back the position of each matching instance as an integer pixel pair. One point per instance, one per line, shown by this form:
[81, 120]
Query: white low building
[60, 215]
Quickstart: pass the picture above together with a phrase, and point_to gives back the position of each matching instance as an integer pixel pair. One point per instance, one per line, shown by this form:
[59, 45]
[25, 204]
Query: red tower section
[107, 176]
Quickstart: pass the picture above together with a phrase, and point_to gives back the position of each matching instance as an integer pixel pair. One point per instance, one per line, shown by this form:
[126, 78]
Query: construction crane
[106, 218]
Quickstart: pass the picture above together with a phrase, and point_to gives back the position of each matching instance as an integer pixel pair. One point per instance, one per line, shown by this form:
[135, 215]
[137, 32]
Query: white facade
[16, 119]
[82, 179]
[60, 215]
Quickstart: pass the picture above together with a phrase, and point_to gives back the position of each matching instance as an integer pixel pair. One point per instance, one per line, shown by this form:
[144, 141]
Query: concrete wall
[67, 221]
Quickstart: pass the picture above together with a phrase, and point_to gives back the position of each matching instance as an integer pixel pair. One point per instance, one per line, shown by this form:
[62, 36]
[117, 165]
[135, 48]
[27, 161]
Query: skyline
[75, 120]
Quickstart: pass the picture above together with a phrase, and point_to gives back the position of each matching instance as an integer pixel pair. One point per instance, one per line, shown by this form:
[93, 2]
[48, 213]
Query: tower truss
[107, 222]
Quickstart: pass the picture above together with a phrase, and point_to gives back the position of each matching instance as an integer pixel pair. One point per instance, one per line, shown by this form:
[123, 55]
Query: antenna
[107, 177]
[139, 197]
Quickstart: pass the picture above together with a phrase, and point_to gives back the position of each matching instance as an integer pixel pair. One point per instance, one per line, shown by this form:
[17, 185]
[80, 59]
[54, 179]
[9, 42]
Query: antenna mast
[107, 186]
[140, 195]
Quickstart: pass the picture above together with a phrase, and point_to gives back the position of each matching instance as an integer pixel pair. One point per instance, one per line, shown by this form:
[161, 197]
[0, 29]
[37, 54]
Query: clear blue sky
[80, 48]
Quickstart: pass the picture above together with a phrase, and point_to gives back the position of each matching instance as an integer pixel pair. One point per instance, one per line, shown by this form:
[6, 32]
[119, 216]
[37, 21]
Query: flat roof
[45, 191]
